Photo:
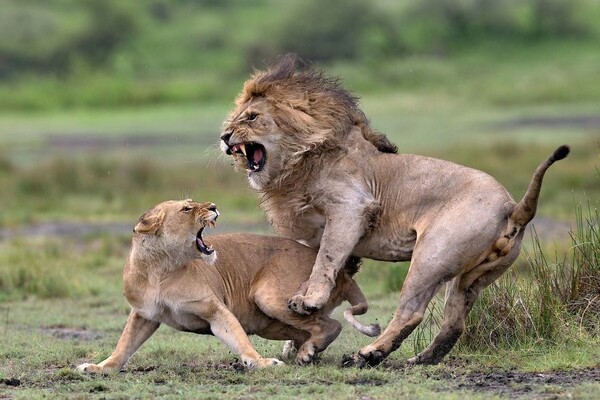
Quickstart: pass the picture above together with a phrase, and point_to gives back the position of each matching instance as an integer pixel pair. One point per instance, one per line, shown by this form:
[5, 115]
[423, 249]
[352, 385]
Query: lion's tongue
[257, 156]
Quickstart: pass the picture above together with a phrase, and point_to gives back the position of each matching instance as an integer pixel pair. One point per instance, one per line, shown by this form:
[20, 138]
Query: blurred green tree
[49, 37]
[337, 30]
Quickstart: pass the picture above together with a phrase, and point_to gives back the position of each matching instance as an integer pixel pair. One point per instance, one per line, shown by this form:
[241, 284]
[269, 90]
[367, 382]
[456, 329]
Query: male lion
[329, 181]
[173, 277]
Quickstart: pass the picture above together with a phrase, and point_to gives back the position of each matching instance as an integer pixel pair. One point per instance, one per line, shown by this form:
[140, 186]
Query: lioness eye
[186, 209]
[252, 116]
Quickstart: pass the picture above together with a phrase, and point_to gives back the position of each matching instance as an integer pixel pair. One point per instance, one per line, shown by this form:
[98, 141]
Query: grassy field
[74, 181]
[61, 301]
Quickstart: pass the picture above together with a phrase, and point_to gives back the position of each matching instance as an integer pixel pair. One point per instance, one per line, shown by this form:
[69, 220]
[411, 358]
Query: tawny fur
[328, 180]
[242, 290]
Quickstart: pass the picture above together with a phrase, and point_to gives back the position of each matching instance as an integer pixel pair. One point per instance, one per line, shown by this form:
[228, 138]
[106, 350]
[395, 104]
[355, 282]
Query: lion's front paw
[296, 304]
[305, 305]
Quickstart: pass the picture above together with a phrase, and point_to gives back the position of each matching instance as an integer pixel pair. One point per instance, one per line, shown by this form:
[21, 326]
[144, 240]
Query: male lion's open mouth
[255, 154]
[201, 244]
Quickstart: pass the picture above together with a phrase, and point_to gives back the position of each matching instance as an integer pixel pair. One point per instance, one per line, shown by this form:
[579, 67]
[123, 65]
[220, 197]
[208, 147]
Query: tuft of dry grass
[546, 301]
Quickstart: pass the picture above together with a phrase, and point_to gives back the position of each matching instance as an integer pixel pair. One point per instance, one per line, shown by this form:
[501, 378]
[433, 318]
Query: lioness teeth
[243, 148]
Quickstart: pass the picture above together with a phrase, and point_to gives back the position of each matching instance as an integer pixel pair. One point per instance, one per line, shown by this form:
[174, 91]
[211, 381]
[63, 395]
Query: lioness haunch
[327, 179]
[238, 286]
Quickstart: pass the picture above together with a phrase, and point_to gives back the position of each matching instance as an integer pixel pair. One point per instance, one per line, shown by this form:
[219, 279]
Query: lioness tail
[359, 306]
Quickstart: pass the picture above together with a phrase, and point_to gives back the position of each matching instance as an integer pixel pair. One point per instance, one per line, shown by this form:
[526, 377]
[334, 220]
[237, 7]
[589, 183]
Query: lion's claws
[297, 305]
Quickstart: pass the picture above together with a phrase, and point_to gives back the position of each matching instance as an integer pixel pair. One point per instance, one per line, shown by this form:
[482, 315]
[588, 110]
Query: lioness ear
[150, 222]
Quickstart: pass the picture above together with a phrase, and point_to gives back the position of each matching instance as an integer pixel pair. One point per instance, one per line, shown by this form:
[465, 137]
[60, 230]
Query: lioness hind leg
[323, 332]
[311, 334]
[227, 328]
[277, 330]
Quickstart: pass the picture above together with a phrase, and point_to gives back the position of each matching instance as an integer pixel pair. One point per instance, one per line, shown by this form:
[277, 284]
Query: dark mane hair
[291, 82]
[352, 265]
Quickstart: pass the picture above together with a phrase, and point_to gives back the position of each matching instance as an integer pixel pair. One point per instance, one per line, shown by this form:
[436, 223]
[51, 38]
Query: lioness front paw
[269, 362]
[90, 368]
[262, 363]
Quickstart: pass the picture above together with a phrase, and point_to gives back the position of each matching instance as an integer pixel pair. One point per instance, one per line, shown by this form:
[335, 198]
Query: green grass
[179, 365]
[130, 140]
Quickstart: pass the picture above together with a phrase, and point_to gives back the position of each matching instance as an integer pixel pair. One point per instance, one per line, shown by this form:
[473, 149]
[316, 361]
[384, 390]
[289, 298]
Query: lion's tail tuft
[525, 210]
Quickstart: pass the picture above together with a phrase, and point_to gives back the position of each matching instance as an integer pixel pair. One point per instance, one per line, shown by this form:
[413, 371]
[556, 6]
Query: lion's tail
[359, 306]
[524, 211]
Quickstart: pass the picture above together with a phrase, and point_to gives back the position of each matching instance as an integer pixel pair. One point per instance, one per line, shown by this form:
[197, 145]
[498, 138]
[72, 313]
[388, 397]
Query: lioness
[239, 286]
[328, 180]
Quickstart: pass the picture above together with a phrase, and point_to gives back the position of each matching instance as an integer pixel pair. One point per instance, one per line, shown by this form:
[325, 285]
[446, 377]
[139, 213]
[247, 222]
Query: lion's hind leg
[461, 294]
[414, 298]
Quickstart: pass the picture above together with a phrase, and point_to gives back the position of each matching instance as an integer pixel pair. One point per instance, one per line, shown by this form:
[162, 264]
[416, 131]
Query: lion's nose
[212, 207]
[225, 136]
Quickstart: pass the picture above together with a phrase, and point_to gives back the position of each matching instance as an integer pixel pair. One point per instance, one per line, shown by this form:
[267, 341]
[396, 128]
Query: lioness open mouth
[255, 155]
[201, 245]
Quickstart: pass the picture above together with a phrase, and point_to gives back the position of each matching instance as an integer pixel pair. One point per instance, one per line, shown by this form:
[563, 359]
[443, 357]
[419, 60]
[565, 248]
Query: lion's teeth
[243, 148]
[255, 167]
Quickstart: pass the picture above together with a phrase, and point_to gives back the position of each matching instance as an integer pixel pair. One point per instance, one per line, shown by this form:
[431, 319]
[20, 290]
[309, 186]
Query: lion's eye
[252, 116]
[186, 209]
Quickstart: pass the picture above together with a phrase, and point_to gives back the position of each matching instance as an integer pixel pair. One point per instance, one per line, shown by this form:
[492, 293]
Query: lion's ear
[150, 222]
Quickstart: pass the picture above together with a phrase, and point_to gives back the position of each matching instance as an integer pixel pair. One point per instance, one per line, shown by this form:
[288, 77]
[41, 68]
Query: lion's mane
[314, 108]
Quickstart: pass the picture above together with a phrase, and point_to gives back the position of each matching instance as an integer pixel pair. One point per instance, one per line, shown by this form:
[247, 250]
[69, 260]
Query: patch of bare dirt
[528, 384]
[460, 374]
[65, 332]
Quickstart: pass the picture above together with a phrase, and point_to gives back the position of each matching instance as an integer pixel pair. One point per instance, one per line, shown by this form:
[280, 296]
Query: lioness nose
[212, 207]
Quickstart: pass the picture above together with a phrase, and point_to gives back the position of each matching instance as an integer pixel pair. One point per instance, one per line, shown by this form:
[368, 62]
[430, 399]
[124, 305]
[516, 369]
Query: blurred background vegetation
[107, 53]
[108, 107]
